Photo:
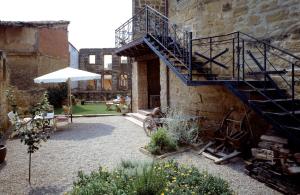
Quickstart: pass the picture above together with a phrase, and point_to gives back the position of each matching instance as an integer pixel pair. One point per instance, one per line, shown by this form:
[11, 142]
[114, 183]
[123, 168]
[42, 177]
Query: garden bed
[180, 150]
[150, 178]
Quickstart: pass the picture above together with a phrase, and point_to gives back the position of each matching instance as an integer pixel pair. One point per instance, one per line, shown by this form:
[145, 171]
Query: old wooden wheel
[149, 125]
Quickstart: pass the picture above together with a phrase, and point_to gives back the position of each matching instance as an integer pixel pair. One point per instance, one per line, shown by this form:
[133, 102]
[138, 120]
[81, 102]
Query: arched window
[123, 81]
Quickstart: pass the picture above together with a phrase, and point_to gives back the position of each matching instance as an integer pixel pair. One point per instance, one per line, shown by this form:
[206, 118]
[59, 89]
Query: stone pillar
[163, 86]
[139, 86]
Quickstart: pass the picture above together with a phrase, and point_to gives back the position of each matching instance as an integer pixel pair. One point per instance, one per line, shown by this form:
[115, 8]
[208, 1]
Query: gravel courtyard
[88, 143]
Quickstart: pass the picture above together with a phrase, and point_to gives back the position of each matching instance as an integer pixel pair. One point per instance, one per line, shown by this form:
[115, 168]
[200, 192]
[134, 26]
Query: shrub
[57, 94]
[161, 142]
[150, 179]
[182, 130]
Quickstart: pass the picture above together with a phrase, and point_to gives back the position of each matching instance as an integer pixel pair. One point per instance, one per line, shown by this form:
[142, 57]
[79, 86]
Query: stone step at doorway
[138, 117]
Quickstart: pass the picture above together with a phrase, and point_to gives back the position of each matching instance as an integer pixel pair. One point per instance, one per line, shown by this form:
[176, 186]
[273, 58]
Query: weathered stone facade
[275, 20]
[115, 78]
[159, 5]
[32, 49]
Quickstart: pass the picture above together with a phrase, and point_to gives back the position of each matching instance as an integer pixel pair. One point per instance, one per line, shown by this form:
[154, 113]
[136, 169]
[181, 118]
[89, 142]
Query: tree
[35, 130]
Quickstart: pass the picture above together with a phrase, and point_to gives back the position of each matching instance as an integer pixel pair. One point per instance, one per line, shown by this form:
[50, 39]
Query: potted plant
[2, 149]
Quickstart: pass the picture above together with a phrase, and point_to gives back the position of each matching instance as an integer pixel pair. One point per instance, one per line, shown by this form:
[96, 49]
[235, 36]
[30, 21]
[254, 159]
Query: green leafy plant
[57, 94]
[161, 142]
[34, 131]
[150, 179]
[10, 96]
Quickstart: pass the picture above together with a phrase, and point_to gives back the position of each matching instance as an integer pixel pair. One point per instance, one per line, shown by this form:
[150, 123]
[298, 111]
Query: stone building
[156, 80]
[32, 49]
[115, 74]
[74, 62]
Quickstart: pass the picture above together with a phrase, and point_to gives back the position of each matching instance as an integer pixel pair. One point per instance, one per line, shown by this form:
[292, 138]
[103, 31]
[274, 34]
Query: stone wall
[275, 20]
[209, 101]
[4, 76]
[33, 49]
[116, 70]
[159, 5]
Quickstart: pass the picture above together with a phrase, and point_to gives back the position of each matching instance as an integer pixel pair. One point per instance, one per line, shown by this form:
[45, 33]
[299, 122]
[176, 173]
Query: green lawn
[88, 109]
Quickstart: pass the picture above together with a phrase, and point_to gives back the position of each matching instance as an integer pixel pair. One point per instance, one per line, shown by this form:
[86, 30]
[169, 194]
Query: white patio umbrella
[67, 75]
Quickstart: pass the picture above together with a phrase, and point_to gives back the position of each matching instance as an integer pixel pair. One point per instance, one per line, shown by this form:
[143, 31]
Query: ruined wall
[4, 76]
[275, 20]
[31, 52]
[117, 68]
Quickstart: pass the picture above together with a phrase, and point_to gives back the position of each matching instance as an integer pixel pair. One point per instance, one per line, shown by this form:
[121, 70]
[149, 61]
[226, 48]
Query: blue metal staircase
[261, 75]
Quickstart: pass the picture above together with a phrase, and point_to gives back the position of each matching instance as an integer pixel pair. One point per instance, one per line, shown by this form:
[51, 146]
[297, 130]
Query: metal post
[238, 57]
[233, 57]
[190, 56]
[147, 25]
[243, 63]
[210, 54]
[265, 62]
[293, 87]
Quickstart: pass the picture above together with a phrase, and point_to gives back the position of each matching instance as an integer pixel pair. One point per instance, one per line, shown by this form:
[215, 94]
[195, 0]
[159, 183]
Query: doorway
[153, 80]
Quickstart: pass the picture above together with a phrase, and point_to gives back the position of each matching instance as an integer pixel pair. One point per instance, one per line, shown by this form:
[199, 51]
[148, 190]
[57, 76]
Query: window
[91, 85]
[107, 62]
[92, 59]
[107, 82]
[123, 81]
[124, 60]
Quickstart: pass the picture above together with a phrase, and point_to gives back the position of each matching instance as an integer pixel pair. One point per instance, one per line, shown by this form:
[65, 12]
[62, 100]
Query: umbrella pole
[70, 98]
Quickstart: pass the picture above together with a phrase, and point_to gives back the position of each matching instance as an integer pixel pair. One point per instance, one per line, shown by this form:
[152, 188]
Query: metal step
[296, 112]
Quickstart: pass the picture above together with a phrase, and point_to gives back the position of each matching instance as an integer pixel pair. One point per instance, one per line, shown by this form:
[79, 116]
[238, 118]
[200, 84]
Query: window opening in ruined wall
[107, 82]
[123, 81]
[107, 62]
[92, 59]
[124, 60]
[3, 70]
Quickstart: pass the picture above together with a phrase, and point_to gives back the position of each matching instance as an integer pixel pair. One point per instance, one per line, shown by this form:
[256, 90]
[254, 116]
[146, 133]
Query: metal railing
[235, 56]
[151, 23]
[242, 57]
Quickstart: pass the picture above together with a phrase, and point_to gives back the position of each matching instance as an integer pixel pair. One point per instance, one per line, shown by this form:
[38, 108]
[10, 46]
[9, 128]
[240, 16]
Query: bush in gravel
[161, 142]
[150, 179]
[182, 130]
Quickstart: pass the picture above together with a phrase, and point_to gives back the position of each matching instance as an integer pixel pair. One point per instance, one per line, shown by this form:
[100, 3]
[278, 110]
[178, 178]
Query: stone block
[277, 16]
[239, 11]
[253, 20]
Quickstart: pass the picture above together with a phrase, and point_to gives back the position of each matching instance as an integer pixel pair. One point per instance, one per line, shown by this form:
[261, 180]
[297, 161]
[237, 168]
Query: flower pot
[2, 153]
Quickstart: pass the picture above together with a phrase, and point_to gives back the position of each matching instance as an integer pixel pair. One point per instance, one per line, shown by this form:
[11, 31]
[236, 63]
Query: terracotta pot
[2, 153]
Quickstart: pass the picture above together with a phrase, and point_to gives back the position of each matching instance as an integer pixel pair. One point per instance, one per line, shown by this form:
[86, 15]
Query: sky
[92, 22]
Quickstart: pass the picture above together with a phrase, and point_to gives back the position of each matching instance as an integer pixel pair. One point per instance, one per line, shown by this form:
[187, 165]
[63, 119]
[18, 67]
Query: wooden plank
[227, 157]
[209, 156]
[276, 139]
[206, 146]
[294, 170]
[263, 154]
